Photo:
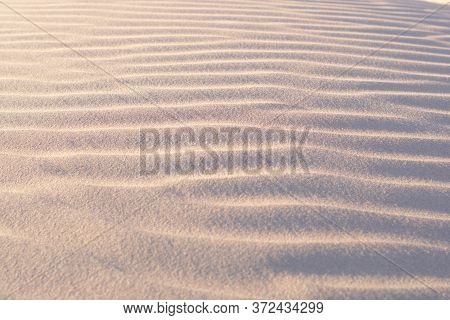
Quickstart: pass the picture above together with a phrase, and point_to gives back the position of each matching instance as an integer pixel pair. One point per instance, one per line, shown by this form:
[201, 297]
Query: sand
[78, 80]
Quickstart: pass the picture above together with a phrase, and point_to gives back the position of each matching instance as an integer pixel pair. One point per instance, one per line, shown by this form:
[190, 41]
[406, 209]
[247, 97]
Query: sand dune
[78, 80]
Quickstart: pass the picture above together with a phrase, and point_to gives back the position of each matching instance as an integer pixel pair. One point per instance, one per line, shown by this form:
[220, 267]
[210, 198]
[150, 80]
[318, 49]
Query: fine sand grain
[78, 79]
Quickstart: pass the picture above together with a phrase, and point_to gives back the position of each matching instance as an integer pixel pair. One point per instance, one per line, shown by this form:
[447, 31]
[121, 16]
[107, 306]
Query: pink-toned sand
[371, 220]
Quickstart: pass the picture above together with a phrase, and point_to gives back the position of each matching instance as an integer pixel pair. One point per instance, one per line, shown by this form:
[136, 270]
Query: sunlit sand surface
[370, 220]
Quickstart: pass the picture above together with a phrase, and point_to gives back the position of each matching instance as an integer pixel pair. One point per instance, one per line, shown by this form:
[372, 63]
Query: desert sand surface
[79, 79]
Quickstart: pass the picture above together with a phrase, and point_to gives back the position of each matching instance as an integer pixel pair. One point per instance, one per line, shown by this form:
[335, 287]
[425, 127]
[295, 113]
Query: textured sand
[371, 220]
